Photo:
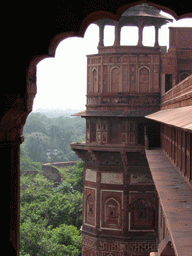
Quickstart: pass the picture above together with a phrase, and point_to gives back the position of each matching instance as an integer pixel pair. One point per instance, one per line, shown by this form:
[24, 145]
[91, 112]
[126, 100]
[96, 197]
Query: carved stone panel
[89, 245]
[142, 214]
[111, 210]
[90, 206]
[114, 247]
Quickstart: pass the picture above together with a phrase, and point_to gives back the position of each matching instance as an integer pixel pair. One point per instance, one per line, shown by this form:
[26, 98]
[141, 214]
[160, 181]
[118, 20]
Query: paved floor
[176, 200]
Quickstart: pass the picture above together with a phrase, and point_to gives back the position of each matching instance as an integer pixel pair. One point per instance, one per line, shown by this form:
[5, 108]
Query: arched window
[144, 80]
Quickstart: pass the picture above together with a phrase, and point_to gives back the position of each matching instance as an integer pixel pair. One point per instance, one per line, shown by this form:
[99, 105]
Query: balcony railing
[178, 96]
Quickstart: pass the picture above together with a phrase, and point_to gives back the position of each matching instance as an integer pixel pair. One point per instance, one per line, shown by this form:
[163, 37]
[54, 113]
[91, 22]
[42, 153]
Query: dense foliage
[48, 139]
[50, 215]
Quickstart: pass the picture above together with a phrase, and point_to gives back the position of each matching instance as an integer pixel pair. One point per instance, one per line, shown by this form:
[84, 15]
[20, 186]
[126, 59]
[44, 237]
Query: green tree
[61, 132]
[77, 176]
[30, 238]
[61, 208]
[68, 236]
[26, 163]
[36, 240]
[35, 123]
[50, 217]
[36, 146]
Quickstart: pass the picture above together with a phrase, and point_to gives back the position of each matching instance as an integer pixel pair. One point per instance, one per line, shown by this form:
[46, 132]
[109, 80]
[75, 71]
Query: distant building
[137, 155]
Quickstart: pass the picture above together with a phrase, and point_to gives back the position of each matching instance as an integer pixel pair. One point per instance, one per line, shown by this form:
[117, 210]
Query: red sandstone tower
[120, 208]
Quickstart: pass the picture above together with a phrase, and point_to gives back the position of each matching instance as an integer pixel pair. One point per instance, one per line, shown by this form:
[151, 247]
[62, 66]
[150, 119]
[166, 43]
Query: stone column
[11, 128]
[10, 191]
[101, 34]
[140, 40]
[156, 36]
[117, 34]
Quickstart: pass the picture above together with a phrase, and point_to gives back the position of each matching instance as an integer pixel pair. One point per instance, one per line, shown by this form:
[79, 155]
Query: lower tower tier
[120, 205]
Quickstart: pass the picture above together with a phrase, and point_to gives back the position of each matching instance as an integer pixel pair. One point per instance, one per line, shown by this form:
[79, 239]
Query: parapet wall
[64, 164]
[179, 96]
[28, 172]
[50, 170]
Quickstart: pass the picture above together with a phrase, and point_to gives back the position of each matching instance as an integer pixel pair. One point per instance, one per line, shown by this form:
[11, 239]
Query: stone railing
[179, 96]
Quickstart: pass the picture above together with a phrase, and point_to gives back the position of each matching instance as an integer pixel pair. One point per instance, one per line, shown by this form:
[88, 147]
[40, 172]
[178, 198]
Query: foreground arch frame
[46, 28]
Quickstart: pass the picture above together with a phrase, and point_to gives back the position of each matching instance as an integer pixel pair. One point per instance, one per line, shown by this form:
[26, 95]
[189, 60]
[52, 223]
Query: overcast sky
[61, 81]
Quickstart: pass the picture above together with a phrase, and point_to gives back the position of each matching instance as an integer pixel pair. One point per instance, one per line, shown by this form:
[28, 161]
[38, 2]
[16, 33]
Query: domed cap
[150, 15]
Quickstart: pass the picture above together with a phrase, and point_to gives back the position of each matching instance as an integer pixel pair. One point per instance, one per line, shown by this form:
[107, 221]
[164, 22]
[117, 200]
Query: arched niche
[94, 81]
[115, 79]
[112, 213]
[90, 210]
[142, 214]
[144, 79]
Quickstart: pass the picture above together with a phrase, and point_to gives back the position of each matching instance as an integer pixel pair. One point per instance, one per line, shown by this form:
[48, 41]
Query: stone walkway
[176, 200]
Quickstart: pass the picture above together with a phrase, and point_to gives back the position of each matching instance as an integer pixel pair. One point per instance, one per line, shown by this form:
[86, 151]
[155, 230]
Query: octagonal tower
[119, 197]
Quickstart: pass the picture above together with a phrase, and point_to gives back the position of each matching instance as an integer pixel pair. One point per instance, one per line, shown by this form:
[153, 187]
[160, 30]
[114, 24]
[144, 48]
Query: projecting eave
[79, 113]
[113, 113]
[178, 117]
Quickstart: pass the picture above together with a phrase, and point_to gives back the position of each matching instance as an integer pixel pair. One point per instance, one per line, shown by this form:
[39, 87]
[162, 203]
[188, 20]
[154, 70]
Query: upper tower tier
[126, 77]
[140, 16]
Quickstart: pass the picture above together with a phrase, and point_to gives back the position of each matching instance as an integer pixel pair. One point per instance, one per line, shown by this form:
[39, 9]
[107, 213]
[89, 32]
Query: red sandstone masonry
[178, 96]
